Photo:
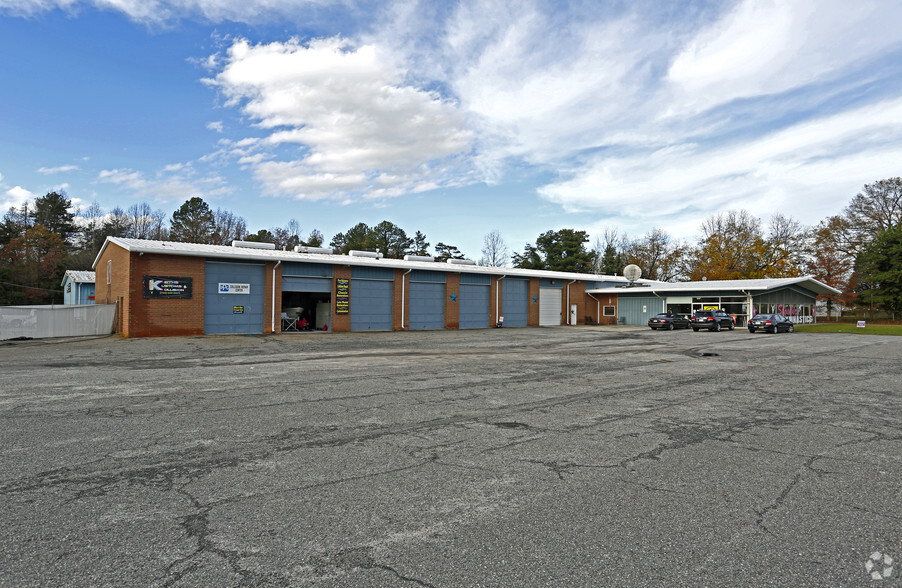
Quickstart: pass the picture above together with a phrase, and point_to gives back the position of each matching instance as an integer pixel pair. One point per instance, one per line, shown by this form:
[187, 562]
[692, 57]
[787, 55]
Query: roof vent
[253, 245]
[418, 258]
[461, 261]
[372, 254]
[305, 249]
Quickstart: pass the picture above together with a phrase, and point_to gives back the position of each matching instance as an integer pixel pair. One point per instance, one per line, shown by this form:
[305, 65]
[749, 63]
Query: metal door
[474, 306]
[371, 305]
[515, 302]
[427, 306]
[239, 313]
[549, 307]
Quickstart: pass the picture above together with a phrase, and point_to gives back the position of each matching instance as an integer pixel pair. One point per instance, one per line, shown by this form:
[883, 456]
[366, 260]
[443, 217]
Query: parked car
[669, 321]
[713, 320]
[771, 322]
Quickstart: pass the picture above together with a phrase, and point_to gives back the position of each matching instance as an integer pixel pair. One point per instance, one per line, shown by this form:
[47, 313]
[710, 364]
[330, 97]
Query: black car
[771, 322]
[669, 321]
[713, 320]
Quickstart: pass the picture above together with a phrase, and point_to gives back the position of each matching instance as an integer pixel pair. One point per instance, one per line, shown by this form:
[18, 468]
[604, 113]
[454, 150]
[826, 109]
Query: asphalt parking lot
[585, 456]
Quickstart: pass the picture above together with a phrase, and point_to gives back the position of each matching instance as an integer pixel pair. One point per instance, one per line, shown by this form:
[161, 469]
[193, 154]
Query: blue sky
[453, 118]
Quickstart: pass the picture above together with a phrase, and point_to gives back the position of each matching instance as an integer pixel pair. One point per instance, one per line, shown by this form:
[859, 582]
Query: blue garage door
[637, 311]
[515, 302]
[293, 284]
[233, 313]
[371, 299]
[475, 301]
[427, 306]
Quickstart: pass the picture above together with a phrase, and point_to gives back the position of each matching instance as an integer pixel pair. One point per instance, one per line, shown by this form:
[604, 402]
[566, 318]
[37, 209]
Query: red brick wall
[118, 289]
[577, 297]
[341, 323]
[396, 300]
[452, 307]
[152, 317]
[533, 316]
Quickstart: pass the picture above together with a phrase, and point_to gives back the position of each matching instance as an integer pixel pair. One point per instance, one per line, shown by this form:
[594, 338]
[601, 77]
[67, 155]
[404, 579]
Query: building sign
[237, 310]
[342, 296]
[167, 287]
[234, 288]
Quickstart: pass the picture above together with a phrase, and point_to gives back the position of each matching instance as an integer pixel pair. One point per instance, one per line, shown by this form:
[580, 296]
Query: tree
[227, 227]
[445, 252]
[52, 211]
[193, 222]
[391, 240]
[608, 259]
[420, 244]
[15, 222]
[35, 261]
[314, 239]
[652, 253]
[562, 251]
[495, 252]
[877, 208]
[261, 236]
[146, 223]
[881, 265]
[359, 238]
[734, 247]
[827, 260]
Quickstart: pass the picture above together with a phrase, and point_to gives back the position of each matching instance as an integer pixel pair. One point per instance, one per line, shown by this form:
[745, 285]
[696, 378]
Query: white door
[549, 307]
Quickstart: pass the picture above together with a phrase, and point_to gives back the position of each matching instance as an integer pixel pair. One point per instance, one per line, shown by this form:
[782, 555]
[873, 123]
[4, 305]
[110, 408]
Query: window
[109, 271]
[609, 310]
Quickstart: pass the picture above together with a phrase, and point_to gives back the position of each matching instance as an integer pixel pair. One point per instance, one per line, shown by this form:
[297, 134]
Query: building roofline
[252, 254]
[759, 286]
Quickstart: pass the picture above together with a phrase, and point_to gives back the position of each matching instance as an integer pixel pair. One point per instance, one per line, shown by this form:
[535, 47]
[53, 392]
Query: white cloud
[15, 197]
[215, 126]
[809, 170]
[767, 47]
[171, 184]
[165, 11]
[57, 170]
[348, 111]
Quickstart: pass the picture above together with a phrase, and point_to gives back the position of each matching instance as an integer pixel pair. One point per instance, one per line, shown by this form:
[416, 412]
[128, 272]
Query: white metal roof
[758, 286]
[79, 277]
[244, 253]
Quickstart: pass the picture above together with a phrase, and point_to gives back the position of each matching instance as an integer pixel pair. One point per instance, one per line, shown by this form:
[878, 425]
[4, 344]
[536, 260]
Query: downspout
[597, 309]
[749, 305]
[663, 302]
[568, 302]
[273, 325]
[498, 297]
[402, 296]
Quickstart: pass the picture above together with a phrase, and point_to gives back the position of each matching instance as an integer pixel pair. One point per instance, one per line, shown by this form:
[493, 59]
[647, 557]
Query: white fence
[39, 322]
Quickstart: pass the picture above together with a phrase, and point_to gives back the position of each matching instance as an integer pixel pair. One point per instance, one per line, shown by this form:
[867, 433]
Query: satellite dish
[632, 272]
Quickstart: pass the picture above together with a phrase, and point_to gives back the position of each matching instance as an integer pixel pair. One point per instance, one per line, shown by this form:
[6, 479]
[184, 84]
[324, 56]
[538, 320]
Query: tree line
[858, 251]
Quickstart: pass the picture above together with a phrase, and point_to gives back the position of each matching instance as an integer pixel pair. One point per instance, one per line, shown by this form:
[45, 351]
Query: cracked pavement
[506, 457]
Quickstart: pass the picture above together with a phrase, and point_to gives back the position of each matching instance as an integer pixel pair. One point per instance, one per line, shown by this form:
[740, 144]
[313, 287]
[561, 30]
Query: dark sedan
[770, 322]
[668, 321]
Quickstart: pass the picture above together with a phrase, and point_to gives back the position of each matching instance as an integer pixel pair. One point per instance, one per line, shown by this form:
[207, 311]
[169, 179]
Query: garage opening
[306, 297]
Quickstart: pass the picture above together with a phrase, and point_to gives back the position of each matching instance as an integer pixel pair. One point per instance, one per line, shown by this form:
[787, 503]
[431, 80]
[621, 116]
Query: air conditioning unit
[371, 254]
[253, 245]
[461, 261]
[305, 249]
